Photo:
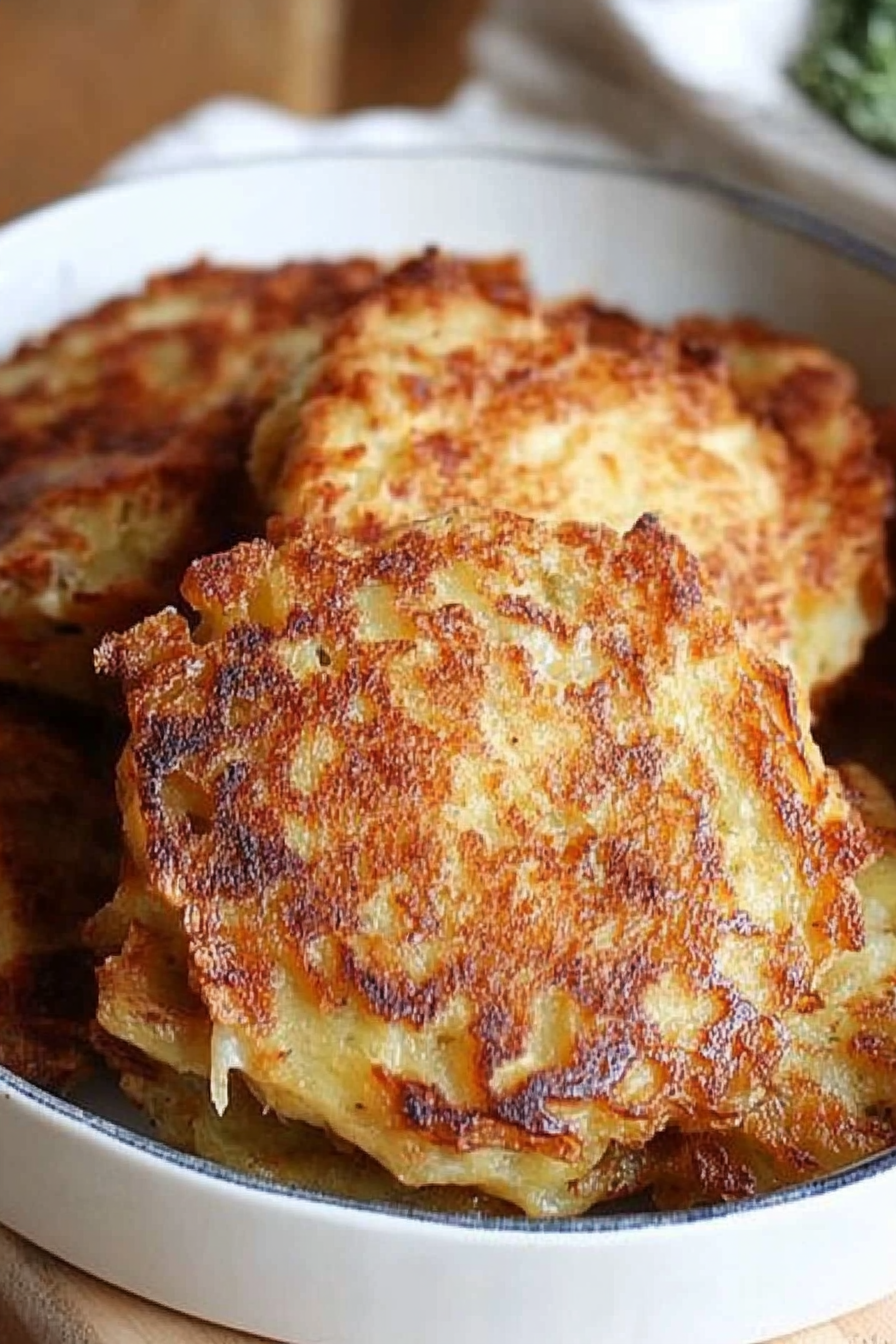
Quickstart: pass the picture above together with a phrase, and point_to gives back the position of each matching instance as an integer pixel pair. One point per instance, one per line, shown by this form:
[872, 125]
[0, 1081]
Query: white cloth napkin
[234, 128]
[699, 84]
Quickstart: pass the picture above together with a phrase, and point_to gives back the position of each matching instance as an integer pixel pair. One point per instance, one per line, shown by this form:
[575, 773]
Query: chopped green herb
[849, 67]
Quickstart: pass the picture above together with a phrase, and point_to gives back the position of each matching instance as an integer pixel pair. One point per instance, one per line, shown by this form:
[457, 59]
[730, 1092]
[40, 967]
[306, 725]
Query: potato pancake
[154, 1032]
[830, 1101]
[432, 393]
[834, 1096]
[59, 845]
[493, 846]
[122, 438]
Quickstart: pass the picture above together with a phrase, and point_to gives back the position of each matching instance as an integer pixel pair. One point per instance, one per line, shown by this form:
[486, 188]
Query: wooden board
[404, 52]
[131, 64]
[82, 79]
[45, 1302]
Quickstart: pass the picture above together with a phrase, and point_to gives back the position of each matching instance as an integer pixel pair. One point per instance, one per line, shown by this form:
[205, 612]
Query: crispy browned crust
[830, 1100]
[155, 1035]
[834, 1097]
[58, 864]
[122, 437]
[430, 395]
[518, 799]
[838, 487]
[493, 288]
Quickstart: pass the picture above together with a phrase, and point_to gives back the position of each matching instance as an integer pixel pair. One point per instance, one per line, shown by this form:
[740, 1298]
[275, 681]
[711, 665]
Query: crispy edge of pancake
[152, 1032]
[835, 1101]
[831, 1100]
[812, 398]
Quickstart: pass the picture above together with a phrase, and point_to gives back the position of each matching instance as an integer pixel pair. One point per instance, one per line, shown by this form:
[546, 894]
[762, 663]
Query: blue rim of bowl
[775, 212]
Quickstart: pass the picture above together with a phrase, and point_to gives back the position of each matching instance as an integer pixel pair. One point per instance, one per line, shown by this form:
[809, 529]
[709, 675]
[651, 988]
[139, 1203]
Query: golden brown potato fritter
[122, 436]
[432, 393]
[831, 1099]
[493, 846]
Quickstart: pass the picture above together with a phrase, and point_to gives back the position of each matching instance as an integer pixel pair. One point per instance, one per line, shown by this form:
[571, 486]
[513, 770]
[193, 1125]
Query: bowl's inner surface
[628, 237]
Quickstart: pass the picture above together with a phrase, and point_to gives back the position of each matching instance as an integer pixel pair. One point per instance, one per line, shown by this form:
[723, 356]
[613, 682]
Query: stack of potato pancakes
[459, 652]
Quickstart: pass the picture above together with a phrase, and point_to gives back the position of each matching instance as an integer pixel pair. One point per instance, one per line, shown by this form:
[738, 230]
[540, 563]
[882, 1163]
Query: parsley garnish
[849, 67]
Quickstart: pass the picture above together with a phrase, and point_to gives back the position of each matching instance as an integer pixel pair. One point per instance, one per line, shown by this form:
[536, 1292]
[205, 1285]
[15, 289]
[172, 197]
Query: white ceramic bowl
[318, 1271]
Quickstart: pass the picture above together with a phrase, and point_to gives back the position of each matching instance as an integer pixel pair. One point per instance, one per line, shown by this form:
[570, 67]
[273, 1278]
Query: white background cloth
[693, 83]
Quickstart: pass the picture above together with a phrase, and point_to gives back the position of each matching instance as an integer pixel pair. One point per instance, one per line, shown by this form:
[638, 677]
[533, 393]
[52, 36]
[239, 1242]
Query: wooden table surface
[45, 1302]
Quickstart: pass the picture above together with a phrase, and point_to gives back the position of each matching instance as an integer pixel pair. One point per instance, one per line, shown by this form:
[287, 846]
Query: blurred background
[797, 96]
[81, 79]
